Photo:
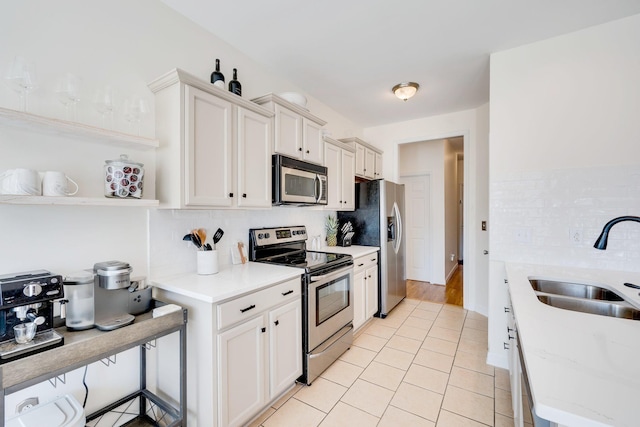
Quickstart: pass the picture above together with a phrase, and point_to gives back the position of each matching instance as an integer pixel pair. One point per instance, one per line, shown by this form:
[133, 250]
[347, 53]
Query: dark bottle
[234, 85]
[217, 78]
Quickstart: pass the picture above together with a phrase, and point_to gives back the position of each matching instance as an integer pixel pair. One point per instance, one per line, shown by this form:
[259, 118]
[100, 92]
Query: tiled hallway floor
[424, 365]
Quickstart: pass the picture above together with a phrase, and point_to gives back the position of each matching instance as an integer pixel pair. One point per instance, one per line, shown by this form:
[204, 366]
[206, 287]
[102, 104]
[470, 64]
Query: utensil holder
[207, 262]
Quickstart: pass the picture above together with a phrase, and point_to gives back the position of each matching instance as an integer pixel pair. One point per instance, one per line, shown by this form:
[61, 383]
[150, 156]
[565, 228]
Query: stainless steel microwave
[296, 182]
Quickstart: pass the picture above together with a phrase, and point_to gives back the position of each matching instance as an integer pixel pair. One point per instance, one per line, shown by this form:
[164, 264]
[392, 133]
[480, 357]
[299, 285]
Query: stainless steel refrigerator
[377, 221]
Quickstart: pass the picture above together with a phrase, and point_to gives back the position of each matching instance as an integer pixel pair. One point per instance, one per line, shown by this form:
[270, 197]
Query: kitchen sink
[604, 308]
[572, 289]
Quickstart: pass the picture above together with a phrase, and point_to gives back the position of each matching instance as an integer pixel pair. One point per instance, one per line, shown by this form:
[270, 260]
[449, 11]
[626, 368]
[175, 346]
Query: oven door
[330, 304]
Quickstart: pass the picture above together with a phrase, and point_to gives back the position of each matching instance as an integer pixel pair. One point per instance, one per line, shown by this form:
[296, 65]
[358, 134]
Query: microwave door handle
[318, 192]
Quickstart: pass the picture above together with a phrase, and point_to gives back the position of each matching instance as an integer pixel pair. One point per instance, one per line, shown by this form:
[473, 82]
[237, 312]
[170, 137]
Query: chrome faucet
[601, 243]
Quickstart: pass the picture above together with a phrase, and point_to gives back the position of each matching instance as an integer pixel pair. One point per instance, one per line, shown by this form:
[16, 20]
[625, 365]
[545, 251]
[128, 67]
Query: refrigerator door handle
[398, 236]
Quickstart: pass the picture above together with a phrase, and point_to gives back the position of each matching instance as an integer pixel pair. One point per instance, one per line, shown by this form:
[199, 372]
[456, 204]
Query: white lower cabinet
[243, 353]
[365, 289]
[258, 360]
[241, 371]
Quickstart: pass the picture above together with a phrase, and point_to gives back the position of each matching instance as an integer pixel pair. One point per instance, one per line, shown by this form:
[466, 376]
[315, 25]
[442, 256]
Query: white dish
[295, 98]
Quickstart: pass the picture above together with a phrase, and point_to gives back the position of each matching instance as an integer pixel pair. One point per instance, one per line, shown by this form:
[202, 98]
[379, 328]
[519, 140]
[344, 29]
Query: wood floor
[451, 293]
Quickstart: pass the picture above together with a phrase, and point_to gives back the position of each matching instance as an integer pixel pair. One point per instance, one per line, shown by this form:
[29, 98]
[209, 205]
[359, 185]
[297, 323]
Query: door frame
[470, 267]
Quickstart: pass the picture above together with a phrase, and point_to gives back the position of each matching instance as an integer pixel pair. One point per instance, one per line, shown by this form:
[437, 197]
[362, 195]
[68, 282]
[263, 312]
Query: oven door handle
[331, 275]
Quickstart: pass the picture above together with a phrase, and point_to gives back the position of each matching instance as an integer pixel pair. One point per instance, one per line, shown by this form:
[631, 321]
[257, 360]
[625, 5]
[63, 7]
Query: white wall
[125, 44]
[473, 126]
[564, 154]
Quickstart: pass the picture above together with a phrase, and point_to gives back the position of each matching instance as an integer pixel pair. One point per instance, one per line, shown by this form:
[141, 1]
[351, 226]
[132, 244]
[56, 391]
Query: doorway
[433, 174]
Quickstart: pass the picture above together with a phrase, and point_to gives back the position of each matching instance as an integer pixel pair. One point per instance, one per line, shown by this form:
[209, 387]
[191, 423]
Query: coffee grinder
[24, 298]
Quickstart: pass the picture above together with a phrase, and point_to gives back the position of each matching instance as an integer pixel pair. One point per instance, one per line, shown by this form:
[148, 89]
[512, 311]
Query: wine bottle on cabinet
[234, 85]
[217, 78]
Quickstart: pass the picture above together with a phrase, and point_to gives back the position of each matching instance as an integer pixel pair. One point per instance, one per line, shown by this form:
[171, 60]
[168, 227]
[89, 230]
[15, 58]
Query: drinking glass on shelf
[68, 93]
[135, 109]
[104, 102]
[21, 76]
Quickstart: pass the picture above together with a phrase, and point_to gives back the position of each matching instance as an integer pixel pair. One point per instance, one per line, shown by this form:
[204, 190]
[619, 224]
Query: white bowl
[295, 98]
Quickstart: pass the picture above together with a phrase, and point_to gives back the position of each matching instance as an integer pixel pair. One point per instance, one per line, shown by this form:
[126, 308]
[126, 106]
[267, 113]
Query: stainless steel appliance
[377, 221]
[24, 298]
[116, 297]
[327, 302]
[298, 183]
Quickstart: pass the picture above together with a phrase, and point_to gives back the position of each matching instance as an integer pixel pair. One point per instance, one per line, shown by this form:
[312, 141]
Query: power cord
[84, 383]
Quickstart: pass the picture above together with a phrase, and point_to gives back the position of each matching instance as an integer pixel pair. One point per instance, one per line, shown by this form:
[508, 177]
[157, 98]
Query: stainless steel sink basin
[614, 309]
[576, 290]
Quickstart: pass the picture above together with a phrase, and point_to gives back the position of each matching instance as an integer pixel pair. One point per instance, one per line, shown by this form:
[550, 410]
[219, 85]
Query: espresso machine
[27, 298]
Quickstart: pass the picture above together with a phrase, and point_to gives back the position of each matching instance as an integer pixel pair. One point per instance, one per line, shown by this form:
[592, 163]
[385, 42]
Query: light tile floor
[423, 365]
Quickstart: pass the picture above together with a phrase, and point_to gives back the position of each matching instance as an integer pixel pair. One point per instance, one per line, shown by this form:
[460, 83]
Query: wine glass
[21, 76]
[135, 109]
[104, 102]
[68, 93]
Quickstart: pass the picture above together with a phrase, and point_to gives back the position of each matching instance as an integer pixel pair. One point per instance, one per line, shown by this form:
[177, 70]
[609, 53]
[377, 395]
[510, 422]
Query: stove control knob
[260, 235]
[267, 235]
[32, 290]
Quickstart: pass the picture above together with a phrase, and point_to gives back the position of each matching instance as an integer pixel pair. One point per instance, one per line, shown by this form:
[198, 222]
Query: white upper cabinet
[208, 149]
[215, 147]
[298, 134]
[340, 163]
[255, 136]
[368, 159]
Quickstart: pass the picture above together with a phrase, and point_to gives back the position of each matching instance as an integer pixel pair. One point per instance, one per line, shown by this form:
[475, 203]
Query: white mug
[55, 183]
[23, 182]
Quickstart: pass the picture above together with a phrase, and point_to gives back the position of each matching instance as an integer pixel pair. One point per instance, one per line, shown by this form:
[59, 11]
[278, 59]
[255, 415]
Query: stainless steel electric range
[327, 298]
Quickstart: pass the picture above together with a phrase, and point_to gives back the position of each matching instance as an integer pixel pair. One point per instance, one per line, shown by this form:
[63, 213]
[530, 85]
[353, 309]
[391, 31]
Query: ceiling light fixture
[406, 90]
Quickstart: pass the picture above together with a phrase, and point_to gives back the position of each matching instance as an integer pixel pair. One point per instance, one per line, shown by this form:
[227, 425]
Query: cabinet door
[254, 160]
[208, 149]
[333, 159]
[372, 290]
[359, 297]
[313, 144]
[360, 154]
[348, 181]
[288, 132]
[285, 347]
[377, 170]
[241, 372]
[369, 163]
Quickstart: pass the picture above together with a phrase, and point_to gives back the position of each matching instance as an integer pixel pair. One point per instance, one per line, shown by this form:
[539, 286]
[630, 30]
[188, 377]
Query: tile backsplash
[554, 217]
[170, 255]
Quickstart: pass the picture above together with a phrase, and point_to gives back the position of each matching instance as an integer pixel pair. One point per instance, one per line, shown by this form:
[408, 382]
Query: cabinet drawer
[371, 259]
[249, 305]
[365, 261]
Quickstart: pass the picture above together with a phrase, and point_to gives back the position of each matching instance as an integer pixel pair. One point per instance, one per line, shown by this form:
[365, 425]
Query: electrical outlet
[575, 235]
[523, 235]
[28, 403]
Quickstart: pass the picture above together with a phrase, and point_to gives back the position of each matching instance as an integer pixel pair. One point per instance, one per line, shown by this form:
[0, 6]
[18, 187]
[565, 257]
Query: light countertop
[584, 369]
[230, 282]
[354, 250]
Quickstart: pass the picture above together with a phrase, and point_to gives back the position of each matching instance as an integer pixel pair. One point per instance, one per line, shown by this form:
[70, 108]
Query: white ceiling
[349, 53]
